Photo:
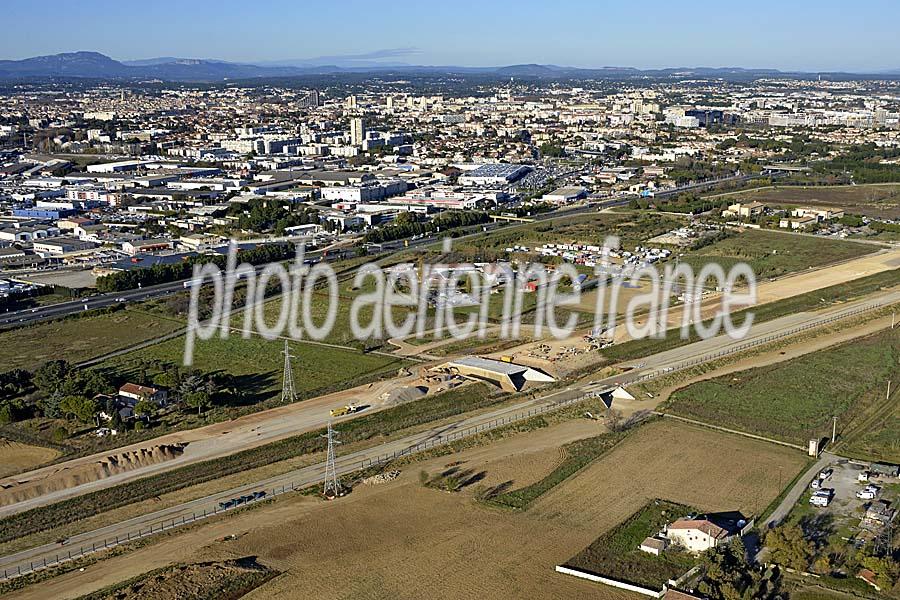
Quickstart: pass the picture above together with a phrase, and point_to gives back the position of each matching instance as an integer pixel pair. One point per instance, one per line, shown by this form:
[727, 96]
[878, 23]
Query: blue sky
[786, 34]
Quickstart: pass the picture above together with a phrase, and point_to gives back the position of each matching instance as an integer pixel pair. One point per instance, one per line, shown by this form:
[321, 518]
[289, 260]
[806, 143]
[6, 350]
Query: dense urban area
[601, 465]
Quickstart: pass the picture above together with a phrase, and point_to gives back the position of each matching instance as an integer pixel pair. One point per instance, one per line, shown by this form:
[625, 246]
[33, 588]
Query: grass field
[617, 553]
[257, 365]
[879, 201]
[80, 338]
[814, 300]
[795, 400]
[772, 254]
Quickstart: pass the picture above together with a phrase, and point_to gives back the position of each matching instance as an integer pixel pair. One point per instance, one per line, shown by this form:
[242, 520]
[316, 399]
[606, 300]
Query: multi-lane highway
[650, 367]
[55, 311]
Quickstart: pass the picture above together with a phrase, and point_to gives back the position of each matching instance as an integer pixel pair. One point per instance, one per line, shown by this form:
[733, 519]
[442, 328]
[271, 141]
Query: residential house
[137, 393]
[745, 211]
[701, 533]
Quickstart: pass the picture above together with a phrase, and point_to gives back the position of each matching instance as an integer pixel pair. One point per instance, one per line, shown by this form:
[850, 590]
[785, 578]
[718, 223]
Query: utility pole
[332, 487]
[287, 391]
[834, 429]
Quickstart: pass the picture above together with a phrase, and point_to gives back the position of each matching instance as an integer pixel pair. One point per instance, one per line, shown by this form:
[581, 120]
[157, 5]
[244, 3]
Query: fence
[438, 440]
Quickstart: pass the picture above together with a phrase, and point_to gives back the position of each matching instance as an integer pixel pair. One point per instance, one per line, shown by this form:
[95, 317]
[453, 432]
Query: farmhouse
[704, 532]
[797, 223]
[137, 393]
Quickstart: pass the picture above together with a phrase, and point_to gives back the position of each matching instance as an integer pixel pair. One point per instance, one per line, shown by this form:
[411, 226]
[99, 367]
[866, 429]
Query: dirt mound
[13, 490]
[404, 394]
[224, 580]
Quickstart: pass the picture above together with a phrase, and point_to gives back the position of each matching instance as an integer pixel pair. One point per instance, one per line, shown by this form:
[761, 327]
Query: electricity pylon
[287, 390]
[332, 487]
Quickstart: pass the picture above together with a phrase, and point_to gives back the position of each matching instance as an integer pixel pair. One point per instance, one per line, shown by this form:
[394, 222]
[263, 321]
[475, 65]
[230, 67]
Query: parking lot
[844, 515]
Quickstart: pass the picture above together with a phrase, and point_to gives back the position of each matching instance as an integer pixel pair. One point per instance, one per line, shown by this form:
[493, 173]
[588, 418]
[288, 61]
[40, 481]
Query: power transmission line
[287, 391]
[332, 487]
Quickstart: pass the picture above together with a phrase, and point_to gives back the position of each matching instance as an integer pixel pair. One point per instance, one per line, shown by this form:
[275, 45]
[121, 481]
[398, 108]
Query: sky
[809, 35]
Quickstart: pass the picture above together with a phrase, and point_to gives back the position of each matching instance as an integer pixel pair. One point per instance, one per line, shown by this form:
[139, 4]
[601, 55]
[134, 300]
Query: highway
[650, 367]
[54, 311]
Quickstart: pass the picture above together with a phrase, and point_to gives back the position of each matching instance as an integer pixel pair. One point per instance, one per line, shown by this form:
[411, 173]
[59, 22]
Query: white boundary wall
[611, 582]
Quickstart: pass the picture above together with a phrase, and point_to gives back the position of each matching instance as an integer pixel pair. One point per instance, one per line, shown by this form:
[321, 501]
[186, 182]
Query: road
[653, 366]
[221, 439]
[800, 486]
[54, 311]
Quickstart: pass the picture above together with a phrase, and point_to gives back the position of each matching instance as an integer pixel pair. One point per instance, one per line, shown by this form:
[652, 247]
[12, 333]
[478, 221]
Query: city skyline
[805, 36]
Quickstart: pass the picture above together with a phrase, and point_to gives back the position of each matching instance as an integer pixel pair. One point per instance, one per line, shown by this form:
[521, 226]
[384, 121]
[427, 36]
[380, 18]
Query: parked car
[816, 484]
[826, 473]
[866, 494]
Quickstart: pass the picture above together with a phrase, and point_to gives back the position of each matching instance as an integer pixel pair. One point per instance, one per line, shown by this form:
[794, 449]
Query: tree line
[407, 224]
[166, 273]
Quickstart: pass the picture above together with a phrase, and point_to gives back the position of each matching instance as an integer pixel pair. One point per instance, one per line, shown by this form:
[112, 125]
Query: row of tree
[408, 224]
[165, 273]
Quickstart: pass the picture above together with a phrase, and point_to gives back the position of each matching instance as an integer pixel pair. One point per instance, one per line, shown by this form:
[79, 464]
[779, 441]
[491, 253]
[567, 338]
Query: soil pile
[13, 489]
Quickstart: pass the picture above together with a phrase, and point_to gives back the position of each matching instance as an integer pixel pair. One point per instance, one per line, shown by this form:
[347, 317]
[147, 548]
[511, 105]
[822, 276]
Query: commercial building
[61, 245]
[496, 174]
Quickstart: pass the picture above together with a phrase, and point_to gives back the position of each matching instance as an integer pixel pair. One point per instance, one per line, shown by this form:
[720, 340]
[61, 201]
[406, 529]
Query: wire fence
[347, 466]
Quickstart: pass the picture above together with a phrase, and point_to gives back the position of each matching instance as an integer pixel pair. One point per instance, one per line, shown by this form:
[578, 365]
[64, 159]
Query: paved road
[28, 316]
[800, 486]
[654, 366]
[222, 439]
[54, 311]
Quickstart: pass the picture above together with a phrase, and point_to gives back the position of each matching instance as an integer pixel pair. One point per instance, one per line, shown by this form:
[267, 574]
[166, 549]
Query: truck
[349, 409]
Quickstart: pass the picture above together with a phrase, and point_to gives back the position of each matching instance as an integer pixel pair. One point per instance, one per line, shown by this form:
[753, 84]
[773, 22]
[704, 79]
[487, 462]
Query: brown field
[879, 201]
[16, 457]
[402, 540]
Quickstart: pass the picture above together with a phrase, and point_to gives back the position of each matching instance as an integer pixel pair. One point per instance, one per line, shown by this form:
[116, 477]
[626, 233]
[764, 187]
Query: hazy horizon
[804, 36]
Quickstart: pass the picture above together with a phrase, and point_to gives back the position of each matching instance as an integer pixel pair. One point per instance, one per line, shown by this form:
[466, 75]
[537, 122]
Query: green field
[78, 339]
[617, 554]
[772, 254]
[795, 401]
[257, 365]
[810, 301]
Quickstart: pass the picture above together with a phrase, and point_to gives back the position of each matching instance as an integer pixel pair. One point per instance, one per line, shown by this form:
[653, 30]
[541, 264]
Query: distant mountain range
[94, 65]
